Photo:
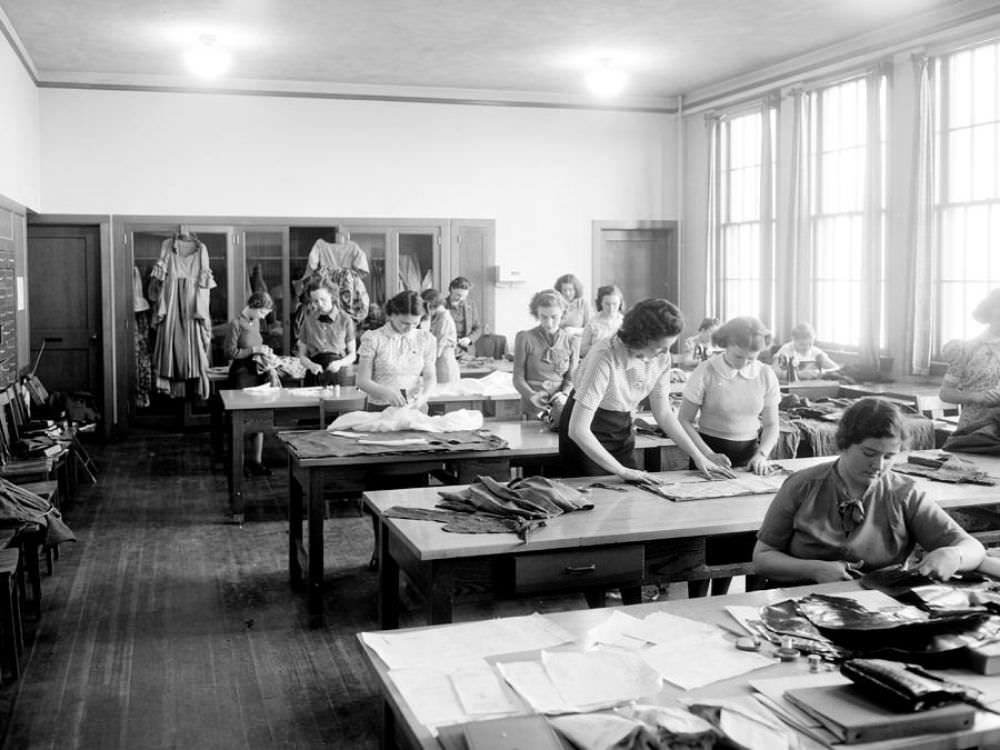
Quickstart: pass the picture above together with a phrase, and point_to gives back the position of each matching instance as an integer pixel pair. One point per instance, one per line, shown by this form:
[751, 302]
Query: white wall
[542, 174]
[19, 137]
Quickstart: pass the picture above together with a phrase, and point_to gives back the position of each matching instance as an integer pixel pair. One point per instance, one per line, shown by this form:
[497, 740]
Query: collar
[750, 371]
[243, 318]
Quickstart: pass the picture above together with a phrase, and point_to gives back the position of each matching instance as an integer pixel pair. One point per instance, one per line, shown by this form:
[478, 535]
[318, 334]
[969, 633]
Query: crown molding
[7, 29]
[973, 19]
[321, 90]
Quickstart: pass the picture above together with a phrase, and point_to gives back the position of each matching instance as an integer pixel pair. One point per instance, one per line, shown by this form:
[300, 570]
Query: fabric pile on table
[490, 507]
[323, 444]
[943, 467]
[979, 437]
[399, 418]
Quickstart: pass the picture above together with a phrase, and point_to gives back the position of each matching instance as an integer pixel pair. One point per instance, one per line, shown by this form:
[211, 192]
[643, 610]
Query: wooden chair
[12, 430]
[944, 415]
[11, 626]
[33, 393]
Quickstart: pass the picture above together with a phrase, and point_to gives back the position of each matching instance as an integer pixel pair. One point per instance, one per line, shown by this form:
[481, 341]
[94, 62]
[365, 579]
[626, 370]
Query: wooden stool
[11, 632]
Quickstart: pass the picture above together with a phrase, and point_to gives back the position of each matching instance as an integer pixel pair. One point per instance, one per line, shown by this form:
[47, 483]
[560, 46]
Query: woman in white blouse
[396, 361]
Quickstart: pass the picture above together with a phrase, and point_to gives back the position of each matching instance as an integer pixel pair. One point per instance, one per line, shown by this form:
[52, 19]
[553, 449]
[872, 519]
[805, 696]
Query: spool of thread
[814, 662]
[786, 650]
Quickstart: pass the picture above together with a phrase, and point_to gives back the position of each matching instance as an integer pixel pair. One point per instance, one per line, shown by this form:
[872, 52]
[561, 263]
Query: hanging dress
[346, 266]
[180, 286]
[143, 364]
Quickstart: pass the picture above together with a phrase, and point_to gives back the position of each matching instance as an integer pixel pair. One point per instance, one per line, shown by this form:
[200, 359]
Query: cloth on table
[397, 418]
[20, 506]
[979, 437]
[944, 468]
[323, 444]
[461, 522]
[820, 437]
[637, 727]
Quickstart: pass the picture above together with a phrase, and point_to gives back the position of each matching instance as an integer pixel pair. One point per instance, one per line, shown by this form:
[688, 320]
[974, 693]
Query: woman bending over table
[834, 521]
[973, 376]
[396, 361]
[595, 432]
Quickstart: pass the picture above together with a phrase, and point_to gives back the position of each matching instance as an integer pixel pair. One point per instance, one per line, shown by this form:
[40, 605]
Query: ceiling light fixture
[606, 80]
[206, 59]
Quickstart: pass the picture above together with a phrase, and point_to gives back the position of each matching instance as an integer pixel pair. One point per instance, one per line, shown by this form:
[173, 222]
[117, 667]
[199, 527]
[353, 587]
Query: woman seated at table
[396, 361]
[245, 346]
[800, 358]
[973, 376]
[608, 319]
[833, 521]
[326, 337]
[595, 432]
[577, 314]
[544, 356]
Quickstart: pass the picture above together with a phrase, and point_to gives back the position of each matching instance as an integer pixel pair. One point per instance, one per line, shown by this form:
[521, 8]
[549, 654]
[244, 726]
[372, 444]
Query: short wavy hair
[870, 417]
[318, 281]
[604, 291]
[432, 298]
[405, 303]
[546, 298]
[709, 323]
[804, 331]
[568, 278]
[650, 320]
[746, 332]
[985, 309]
[459, 282]
[260, 301]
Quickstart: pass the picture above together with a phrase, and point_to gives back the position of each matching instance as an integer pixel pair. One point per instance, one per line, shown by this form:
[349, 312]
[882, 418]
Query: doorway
[64, 307]
[641, 258]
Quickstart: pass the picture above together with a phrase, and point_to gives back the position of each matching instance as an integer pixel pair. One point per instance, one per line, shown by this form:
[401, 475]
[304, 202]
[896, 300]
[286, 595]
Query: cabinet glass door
[418, 262]
[266, 271]
[375, 246]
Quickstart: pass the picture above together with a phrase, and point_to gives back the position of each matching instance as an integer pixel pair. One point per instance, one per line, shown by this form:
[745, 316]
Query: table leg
[441, 597]
[314, 504]
[387, 728]
[294, 526]
[237, 429]
[388, 582]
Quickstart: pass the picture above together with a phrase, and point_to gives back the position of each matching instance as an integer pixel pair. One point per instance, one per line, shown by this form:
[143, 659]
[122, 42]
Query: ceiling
[533, 49]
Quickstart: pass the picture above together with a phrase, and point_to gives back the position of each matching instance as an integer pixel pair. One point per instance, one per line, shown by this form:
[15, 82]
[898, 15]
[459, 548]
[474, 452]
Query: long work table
[247, 412]
[628, 539]
[527, 443]
[401, 727]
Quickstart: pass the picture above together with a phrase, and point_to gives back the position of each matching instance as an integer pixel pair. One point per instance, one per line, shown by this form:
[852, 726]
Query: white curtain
[713, 244]
[920, 289]
[872, 240]
[794, 253]
[766, 213]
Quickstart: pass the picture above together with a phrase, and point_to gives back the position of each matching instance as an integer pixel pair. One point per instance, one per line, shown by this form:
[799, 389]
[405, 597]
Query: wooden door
[472, 256]
[641, 261]
[64, 306]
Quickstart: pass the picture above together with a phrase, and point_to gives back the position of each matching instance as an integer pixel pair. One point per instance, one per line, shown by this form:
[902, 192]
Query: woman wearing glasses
[595, 433]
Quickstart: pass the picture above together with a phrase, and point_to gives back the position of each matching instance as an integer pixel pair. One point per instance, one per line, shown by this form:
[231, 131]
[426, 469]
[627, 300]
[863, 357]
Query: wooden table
[247, 412]
[527, 442]
[627, 540]
[400, 728]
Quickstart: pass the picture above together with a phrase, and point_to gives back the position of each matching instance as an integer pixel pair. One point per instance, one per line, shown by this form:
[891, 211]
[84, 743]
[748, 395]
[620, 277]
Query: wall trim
[7, 29]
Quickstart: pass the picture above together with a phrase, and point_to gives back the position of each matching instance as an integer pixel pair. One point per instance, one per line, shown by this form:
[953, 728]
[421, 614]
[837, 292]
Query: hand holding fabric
[941, 563]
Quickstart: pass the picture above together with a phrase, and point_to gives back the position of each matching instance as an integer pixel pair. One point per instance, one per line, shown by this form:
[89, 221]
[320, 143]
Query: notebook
[853, 718]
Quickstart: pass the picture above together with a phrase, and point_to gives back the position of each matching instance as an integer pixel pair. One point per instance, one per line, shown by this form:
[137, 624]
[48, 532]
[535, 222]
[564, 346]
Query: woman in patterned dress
[396, 361]
[973, 376]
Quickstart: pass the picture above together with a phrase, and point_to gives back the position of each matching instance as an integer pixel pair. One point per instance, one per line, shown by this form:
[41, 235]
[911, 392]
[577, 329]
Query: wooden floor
[164, 626]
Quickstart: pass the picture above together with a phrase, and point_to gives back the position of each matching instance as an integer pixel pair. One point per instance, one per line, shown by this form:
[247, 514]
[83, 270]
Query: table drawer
[578, 569]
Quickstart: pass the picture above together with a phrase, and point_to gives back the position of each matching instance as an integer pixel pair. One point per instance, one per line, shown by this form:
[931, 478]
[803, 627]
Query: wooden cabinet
[246, 254]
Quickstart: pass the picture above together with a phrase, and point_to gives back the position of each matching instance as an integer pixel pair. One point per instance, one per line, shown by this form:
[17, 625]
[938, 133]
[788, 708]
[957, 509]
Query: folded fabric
[397, 418]
[979, 437]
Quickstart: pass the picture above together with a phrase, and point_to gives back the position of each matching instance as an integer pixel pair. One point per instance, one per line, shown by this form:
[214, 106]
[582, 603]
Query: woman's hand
[721, 459]
[540, 399]
[941, 563]
[333, 367]
[711, 470]
[395, 397]
[637, 475]
[464, 342]
[314, 368]
[759, 464]
[828, 571]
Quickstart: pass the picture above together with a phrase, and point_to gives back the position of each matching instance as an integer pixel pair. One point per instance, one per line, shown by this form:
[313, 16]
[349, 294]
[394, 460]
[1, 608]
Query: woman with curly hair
[544, 356]
[608, 319]
[595, 433]
[578, 313]
[973, 377]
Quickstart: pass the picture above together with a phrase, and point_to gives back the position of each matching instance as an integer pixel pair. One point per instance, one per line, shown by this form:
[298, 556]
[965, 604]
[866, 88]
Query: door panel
[66, 259]
[473, 258]
[642, 262]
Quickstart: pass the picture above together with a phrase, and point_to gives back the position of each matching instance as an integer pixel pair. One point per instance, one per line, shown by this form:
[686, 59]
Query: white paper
[430, 696]
[532, 682]
[614, 632]
[479, 692]
[447, 648]
[660, 627]
[692, 663]
[595, 679]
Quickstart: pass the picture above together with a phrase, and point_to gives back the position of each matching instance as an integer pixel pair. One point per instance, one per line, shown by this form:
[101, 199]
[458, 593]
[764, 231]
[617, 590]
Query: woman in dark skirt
[595, 432]
[245, 346]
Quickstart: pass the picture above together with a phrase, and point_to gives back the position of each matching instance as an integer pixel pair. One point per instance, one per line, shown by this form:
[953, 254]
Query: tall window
[746, 248]
[840, 128]
[968, 200]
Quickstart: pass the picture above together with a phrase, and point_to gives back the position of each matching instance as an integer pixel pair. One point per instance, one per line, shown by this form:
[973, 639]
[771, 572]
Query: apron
[613, 430]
